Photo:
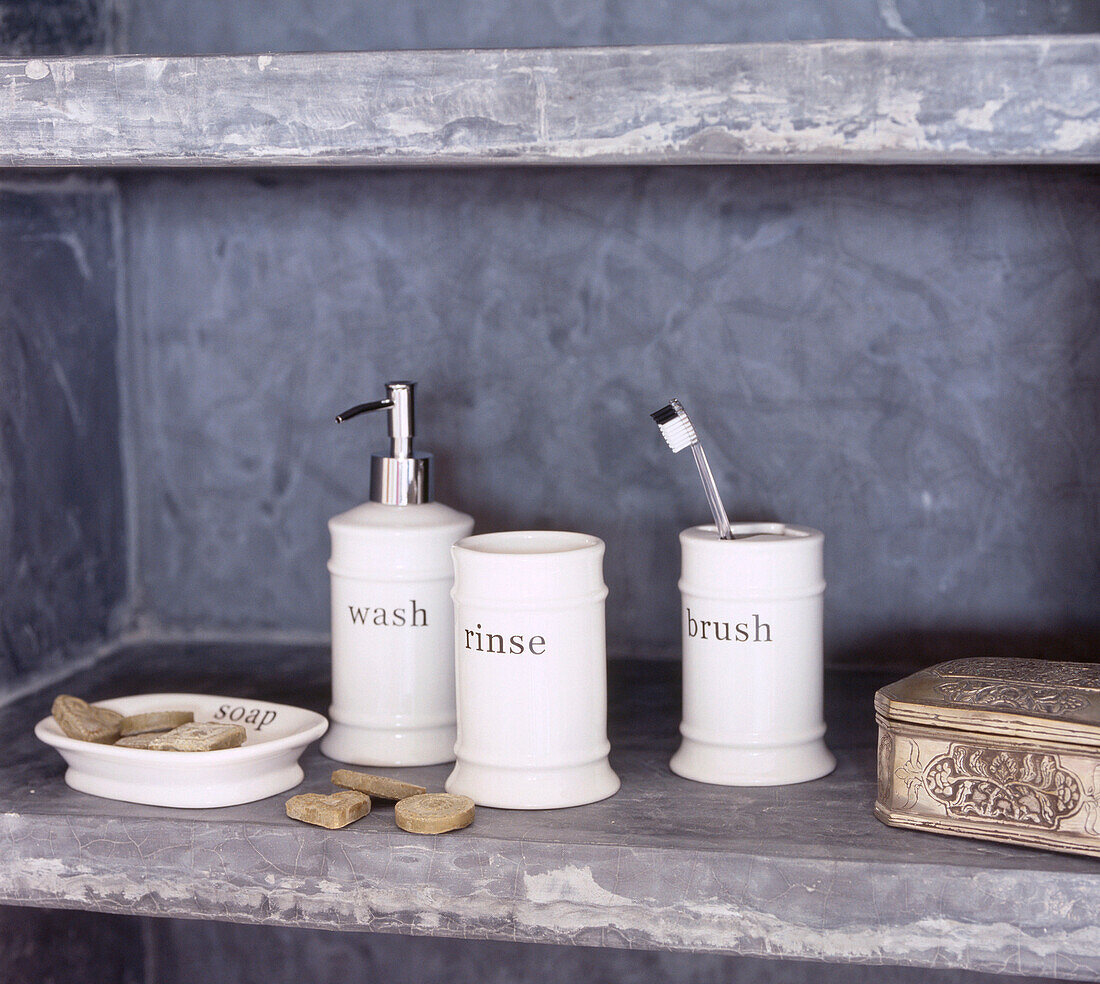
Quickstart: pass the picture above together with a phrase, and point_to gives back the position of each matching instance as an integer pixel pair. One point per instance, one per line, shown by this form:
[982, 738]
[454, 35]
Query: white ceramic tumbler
[753, 664]
[531, 671]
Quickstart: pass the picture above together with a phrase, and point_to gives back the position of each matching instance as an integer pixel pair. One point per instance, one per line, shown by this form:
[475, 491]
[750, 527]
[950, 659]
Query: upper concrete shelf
[799, 871]
[1002, 100]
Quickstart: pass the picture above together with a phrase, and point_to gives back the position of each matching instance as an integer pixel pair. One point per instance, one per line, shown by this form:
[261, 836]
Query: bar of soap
[378, 787]
[139, 724]
[333, 811]
[85, 722]
[194, 737]
[434, 813]
[143, 740]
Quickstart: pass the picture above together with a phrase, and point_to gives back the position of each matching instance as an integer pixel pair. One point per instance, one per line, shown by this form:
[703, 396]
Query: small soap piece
[143, 740]
[434, 813]
[333, 811]
[377, 787]
[81, 720]
[207, 737]
[139, 724]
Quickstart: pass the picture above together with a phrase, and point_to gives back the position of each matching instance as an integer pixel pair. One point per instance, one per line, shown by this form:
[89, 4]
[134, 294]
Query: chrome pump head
[403, 477]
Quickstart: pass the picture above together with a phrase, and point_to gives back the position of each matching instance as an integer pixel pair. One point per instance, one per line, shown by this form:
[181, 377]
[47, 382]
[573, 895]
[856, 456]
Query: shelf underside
[976, 100]
[800, 871]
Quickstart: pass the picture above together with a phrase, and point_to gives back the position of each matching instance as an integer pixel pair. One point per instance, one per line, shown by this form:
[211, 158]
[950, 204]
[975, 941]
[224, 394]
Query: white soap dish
[266, 764]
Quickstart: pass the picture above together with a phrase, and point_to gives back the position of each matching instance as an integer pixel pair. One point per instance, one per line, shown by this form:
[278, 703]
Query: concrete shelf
[799, 871]
[955, 100]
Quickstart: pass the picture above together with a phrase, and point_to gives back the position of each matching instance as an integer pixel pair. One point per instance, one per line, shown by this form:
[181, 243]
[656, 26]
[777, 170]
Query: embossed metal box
[999, 749]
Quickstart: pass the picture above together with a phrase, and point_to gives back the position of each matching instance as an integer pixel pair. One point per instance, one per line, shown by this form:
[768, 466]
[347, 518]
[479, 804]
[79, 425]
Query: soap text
[245, 715]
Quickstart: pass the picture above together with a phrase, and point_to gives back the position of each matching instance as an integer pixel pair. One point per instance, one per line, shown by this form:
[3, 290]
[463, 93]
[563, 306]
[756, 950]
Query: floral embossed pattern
[1026, 788]
[1085, 676]
[1013, 696]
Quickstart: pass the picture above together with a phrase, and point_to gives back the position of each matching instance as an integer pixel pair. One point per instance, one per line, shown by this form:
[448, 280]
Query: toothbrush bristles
[676, 428]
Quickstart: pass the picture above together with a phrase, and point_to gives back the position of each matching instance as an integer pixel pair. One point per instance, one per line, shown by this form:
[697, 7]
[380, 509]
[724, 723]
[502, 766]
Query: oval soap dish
[266, 764]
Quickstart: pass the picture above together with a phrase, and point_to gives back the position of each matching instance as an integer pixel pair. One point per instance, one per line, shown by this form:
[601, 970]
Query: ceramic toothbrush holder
[531, 671]
[753, 667]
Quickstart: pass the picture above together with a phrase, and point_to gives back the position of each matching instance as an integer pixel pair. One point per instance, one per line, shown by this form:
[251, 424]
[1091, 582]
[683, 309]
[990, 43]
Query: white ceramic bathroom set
[510, 681]
[490, 651]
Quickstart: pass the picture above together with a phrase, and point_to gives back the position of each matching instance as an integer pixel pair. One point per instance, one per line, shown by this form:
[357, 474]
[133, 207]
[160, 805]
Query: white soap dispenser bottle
[393, 671]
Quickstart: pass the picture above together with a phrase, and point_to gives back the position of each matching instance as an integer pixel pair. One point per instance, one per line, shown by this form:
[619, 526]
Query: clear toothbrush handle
[721, 520]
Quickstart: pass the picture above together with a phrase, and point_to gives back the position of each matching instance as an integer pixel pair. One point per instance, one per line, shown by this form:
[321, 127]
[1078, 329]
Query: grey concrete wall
[904, 358]
[58, 27]
[38, 946]
[42, 946]
[220, 953]
[208, 26]
[62, 548]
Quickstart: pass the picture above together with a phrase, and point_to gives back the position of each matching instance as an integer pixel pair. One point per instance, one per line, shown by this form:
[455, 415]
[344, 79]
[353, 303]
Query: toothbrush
[679, 433]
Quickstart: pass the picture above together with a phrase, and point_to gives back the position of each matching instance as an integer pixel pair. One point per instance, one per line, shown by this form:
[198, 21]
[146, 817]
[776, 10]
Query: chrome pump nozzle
[403, 477]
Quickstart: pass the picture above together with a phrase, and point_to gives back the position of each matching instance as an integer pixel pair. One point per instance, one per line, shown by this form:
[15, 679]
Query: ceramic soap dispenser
[393, 674]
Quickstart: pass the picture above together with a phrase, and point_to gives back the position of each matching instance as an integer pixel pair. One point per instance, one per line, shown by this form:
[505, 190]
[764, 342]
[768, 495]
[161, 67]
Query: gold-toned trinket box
[993, 748]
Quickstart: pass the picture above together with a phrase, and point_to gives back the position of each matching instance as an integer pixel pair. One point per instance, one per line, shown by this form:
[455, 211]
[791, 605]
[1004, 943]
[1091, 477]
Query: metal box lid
[1026, 698]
